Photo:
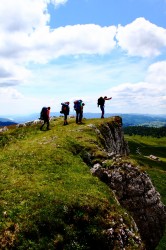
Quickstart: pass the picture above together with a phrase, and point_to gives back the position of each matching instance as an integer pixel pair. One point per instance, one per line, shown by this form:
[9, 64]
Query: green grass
[48, 198]
[155, 169]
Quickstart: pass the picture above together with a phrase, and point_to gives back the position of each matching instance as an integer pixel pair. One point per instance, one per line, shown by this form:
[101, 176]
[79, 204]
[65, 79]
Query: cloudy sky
[61, 50]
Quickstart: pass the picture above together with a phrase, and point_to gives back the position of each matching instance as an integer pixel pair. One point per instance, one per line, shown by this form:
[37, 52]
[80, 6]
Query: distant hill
[143, 120]
[135, 119]
[6, 122]
[128, 119]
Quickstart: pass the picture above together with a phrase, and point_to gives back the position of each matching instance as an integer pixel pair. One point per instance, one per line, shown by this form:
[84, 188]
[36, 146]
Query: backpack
[77, 105]
[100, 101]
[43, 113]
[64, 108]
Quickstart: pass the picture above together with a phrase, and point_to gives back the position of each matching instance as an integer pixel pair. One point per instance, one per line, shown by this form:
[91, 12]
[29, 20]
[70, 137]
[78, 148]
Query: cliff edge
[131, 185]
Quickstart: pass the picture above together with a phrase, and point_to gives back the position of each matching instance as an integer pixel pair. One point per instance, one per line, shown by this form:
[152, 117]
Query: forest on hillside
[145, 131]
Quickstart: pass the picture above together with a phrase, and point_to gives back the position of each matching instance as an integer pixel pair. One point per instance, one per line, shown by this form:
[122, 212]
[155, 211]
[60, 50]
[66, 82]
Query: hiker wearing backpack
[45, 116]
[78, 107]
[101, 103]
[65, 110]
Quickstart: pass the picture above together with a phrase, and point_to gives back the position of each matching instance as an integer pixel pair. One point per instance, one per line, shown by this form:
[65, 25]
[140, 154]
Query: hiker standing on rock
[101, 103]
[45, 116]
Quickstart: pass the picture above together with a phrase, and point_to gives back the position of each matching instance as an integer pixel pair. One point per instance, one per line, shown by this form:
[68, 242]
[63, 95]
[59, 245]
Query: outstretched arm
[108, 98]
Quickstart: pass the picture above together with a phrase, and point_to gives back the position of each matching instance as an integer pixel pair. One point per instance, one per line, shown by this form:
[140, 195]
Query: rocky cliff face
[112, 137]
[136, 193]
[132, 187]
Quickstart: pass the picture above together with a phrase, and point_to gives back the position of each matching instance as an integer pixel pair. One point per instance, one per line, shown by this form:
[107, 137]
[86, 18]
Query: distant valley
[128, 119]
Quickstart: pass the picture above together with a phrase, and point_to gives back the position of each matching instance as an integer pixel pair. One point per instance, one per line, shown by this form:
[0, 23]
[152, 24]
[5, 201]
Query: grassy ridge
[48, 198]
[156, 169]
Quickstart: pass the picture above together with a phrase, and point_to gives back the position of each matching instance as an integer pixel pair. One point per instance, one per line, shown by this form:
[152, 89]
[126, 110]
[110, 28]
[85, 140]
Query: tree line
[145, 131]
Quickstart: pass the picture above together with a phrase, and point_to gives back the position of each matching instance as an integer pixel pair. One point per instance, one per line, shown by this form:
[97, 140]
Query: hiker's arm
[108, 98]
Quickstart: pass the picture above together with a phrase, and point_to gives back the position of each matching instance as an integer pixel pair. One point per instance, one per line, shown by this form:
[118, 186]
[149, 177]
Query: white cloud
[14, 102]
[12, 74]
[26, 35]
[141, 38]
[148, 96]
[70, 40]
[22, 16]
[9, 93]
[157, 74]
[58, 2]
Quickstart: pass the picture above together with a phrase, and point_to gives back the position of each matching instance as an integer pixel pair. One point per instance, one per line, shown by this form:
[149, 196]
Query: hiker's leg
[77, 116]
[102, 111]
[80, 117]
[42, 125]
[48, 124]
[65, 119]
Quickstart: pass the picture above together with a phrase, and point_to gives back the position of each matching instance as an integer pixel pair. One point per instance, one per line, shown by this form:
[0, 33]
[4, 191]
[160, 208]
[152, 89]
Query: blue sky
[61, 50]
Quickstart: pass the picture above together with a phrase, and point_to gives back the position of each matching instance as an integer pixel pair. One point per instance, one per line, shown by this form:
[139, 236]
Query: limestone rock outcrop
[112, 138]
[136, 193]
